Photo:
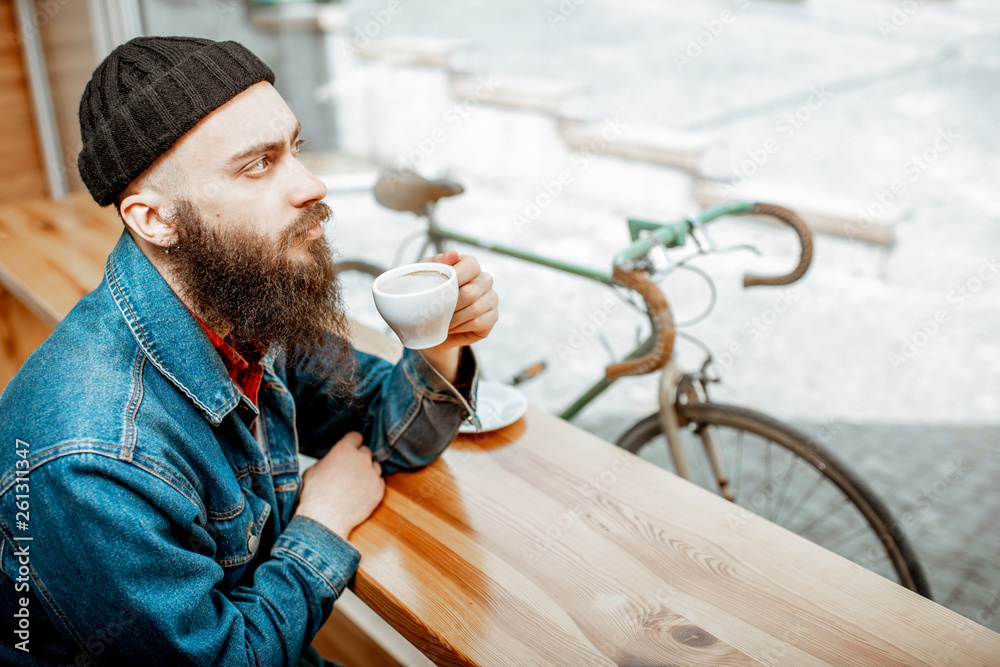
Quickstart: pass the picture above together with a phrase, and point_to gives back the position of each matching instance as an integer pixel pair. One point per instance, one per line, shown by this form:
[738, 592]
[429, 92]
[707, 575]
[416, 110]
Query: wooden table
[541, 544]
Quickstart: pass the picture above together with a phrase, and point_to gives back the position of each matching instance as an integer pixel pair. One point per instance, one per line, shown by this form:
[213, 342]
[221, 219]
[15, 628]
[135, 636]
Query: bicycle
[789, 478]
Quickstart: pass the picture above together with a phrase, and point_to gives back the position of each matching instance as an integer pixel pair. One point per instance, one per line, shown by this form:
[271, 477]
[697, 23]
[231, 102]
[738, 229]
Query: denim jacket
[143, 524]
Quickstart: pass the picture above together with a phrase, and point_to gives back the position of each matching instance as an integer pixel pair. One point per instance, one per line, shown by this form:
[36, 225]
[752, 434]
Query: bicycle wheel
[355, 283]
[786, 477]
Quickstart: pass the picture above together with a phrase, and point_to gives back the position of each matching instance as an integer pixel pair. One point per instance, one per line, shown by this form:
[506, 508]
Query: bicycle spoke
[769, 484]
[788, 522]
[739, 466]
[784, 488]
[823, 517]
[705, 475]
[844, 539]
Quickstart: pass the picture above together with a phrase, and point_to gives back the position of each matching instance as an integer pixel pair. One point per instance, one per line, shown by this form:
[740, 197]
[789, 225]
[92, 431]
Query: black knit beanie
[146, 94]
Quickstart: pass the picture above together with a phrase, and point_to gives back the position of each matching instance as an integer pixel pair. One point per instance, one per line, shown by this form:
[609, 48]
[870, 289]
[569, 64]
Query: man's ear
[146, 213]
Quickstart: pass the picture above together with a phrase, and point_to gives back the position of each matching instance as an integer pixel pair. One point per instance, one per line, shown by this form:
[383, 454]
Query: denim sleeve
[120, 543]
[407, 412]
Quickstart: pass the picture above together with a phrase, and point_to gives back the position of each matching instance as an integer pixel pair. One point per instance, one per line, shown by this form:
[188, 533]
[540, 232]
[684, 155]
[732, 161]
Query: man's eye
[298, 146]
[258, 166]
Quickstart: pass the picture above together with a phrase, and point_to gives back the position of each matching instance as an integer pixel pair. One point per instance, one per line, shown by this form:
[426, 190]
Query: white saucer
[498, 405]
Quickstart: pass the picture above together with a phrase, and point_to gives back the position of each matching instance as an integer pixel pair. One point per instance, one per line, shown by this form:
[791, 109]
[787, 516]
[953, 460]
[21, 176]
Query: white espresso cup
[417, 301]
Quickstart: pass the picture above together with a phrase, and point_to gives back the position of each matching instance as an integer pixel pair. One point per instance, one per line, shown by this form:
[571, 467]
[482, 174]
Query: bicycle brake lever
[657, 260]
[702, 239]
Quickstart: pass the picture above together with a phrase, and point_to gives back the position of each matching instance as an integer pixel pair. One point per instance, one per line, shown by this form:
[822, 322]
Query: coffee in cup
[411, 283]
[417, 301]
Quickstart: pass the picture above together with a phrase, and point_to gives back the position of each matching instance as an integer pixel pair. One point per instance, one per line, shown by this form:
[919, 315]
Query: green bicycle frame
[670, 235]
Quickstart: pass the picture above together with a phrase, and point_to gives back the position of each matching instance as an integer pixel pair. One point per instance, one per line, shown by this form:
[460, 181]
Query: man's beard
[239, 282]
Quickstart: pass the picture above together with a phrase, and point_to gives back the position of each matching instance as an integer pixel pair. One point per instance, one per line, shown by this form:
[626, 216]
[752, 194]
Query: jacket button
[252, 543]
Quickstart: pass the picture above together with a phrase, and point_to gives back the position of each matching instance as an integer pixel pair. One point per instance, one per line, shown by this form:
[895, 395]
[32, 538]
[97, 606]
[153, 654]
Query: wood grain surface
[21, 331]
[540, 544]
[342, 640]
[52, 253]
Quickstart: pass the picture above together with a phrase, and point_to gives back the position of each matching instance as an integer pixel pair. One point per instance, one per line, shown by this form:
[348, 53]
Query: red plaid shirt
[241, 360]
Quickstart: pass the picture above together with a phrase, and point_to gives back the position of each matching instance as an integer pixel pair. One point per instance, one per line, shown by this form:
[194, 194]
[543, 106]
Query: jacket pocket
[237, 531]
[287, 482]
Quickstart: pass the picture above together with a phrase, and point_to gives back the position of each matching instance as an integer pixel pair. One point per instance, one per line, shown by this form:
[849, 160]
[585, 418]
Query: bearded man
[156, 431]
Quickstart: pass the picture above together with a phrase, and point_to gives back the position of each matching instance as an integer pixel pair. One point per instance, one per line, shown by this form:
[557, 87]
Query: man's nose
[306, 188]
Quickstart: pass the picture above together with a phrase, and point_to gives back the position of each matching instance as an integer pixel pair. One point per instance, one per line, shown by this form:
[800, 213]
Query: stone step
[819, 212]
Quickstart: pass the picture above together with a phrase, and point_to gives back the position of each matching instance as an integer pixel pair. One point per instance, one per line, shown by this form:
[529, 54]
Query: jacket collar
[166, 331]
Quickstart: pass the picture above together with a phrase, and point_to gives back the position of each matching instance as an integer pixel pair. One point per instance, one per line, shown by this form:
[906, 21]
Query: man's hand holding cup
[420, 303]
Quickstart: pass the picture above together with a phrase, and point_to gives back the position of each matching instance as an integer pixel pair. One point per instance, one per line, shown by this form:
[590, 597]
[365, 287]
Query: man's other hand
[343, 488]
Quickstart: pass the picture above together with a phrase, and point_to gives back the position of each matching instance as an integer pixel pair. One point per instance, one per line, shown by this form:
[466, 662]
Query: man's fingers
[467, 270]
[352, 439]
[450, 258]
[467, 267]
[481, 326]
[468, 338]
[473, 290]
[484, 305]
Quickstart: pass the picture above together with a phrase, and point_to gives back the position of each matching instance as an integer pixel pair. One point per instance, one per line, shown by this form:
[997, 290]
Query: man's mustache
[318, 213]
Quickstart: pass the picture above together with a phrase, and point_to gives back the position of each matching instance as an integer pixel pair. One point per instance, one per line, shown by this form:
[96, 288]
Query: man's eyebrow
[263, 147]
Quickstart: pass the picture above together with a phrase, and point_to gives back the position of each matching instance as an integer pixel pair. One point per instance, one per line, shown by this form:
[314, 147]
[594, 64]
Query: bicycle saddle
[408, 191]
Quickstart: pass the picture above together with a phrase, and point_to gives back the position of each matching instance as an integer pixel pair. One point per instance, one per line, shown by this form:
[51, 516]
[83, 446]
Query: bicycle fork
[671, 379]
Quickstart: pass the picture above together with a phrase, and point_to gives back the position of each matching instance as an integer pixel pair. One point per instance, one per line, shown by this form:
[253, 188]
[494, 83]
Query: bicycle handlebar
[805, 239]
[660, 316]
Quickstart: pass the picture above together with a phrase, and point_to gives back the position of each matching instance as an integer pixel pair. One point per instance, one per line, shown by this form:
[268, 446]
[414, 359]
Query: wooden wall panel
[22, 174]
[21, 331]
[70, 60]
